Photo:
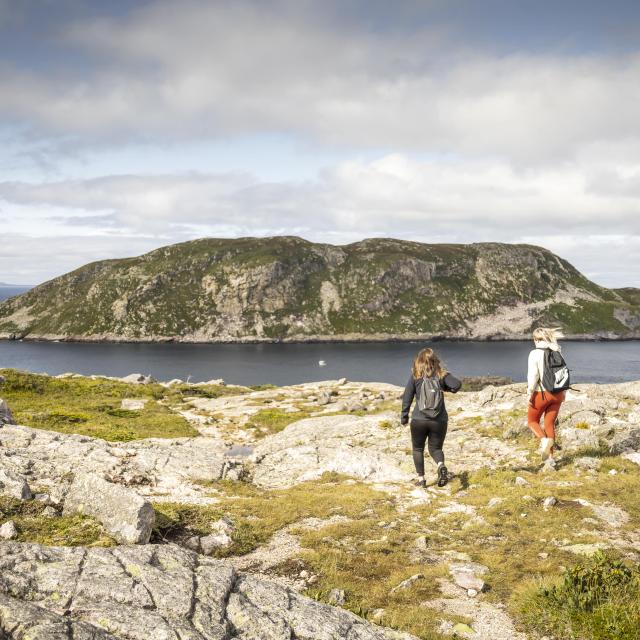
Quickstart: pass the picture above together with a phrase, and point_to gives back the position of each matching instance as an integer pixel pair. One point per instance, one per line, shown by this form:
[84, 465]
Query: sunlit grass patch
[269, 421]
[91, 407]
[598, 599]
[34, 526]
[258, 513]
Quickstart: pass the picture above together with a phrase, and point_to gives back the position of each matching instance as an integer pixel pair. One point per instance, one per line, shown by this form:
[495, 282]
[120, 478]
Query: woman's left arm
[451, 383]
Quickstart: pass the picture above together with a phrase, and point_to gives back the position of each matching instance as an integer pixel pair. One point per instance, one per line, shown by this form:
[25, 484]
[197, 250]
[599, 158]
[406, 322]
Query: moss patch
[92, 407]
[269, 421]
[69, 531]
[598, 599]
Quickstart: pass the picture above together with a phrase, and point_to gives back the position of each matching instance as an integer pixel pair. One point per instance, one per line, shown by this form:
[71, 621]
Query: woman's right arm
[533, 375]
[407, 399]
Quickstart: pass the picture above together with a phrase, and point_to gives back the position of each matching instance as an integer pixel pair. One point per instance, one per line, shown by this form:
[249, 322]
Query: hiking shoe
[443, 476]
[546, 445]
[419, 482]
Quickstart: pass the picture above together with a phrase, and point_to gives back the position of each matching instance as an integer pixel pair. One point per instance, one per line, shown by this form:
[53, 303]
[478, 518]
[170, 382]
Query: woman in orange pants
[542, 401]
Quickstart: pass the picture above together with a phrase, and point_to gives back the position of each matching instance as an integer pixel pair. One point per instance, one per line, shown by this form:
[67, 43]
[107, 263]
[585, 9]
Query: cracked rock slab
[155, 592]
[123, 513]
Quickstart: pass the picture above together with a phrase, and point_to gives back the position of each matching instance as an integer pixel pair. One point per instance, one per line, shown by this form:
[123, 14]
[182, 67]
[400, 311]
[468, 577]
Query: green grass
[598, 599]
[586, 316]
[33, 526]
[259, 513]
[270, 421]
[92, 407]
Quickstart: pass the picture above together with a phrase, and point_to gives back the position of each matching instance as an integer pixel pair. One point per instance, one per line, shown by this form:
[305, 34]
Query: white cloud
[431, 201]
[192, 69]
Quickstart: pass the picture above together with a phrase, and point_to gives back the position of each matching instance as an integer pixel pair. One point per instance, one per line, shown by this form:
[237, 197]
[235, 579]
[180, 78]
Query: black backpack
[555, 373]
[430, 398]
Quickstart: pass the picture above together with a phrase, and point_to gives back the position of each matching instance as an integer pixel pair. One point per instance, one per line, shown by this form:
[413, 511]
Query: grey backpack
[430, 398]
[555, 373]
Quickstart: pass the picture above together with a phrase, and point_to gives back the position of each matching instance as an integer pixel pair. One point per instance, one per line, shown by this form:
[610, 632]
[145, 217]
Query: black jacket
[448, 383]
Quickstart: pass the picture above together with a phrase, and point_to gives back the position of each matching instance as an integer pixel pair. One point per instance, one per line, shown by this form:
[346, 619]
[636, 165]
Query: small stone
[376, 615]
[215, 541]
[342, 381]
[494, 502]
[14, 485]
[523, 515]
[304, 574]
[224, 525]
[587, 463]
[312, 579]
[549, 502]
[337, 597]
[6, 417]
[549, 466]
[9, 531]
[543, 554]
[613, 472]
[520, 481]
[405, 584]
[132, 404]
[193, 543]
[472, 593]
[527, 498]
[460, 627]
[468, 575]
[50, 512]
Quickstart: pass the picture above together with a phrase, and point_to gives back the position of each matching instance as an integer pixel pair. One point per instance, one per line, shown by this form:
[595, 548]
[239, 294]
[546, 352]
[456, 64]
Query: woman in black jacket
[429, 419]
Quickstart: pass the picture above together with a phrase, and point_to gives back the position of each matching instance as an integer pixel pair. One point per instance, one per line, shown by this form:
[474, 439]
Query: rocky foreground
[450, 548]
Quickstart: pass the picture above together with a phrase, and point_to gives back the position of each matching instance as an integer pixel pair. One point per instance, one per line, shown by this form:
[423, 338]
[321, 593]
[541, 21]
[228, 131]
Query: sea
[282, 364]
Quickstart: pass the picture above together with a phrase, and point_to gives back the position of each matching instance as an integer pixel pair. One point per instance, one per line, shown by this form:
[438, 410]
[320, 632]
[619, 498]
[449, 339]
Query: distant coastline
[339, 339]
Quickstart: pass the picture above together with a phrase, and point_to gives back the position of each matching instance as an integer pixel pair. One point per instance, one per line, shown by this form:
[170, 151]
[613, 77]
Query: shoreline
[340, 339]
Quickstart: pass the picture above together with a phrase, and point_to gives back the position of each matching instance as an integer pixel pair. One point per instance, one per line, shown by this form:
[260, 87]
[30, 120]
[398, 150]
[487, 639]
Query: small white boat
[322, 363]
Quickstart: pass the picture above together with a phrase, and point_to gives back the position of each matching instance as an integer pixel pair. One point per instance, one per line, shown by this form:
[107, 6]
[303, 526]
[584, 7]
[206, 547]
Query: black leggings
[435, 432]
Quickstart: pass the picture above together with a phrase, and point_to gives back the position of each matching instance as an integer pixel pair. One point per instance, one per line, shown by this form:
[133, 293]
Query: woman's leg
[437, 434]
[419, 432]
[534, 414]
[551, 415]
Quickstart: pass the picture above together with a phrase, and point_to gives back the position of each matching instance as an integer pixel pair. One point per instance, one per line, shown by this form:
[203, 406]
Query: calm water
[9, 292]
[293, 363]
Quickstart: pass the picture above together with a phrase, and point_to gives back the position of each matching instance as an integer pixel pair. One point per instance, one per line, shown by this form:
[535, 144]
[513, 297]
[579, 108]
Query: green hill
[286, 288]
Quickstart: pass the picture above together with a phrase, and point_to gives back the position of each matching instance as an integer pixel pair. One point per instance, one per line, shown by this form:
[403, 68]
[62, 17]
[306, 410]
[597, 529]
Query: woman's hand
[532, 399]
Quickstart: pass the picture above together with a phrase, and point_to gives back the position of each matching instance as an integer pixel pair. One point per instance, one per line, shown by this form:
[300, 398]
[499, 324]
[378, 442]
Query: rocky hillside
[286, 288]
[289, 514]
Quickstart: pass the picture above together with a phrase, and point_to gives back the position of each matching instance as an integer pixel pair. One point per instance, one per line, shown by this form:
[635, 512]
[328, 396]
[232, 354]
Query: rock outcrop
[124, 514]
[285, 288]
[171, 592]
[155, 593]
[153, 466]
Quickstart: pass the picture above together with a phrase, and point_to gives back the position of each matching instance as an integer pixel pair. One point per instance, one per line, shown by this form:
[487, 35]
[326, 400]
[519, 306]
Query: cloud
[570, 209]
[173, 71]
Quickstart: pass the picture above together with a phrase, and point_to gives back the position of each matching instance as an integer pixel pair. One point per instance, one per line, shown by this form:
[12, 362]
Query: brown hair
[427, 363]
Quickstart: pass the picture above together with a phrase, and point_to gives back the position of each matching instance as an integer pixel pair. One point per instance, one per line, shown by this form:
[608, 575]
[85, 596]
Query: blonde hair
[547, 334]
[427, 363]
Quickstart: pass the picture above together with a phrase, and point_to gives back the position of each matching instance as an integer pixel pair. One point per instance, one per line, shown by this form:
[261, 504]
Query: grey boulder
[6, 417]
[12, 484]
[128, 517]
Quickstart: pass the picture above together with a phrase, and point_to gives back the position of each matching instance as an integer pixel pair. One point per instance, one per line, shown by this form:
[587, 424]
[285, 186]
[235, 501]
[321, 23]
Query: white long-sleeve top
[536, 365]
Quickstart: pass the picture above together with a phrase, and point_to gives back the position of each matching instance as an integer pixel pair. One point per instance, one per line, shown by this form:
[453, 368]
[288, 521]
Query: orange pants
[550, 406]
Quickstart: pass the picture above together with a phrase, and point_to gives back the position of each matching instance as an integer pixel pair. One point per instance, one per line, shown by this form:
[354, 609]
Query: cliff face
[286, 288]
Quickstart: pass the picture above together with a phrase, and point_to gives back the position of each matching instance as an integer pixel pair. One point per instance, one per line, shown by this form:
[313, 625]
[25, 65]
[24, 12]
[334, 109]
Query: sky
[129, 125]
